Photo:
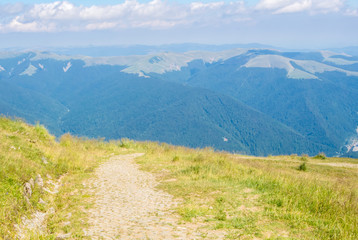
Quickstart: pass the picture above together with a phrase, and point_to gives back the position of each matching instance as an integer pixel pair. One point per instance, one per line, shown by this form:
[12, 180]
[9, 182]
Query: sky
[308, 24]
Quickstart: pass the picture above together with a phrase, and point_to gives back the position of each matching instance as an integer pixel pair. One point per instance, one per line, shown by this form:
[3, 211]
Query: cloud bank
[292, 6]
[62, 16]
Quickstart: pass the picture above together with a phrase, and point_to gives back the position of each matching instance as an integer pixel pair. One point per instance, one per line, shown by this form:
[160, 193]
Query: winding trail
[128, 206]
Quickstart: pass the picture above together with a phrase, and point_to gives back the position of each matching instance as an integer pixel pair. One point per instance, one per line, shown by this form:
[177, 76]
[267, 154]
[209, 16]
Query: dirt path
[345, 165]
[331, 164]
[129, 207]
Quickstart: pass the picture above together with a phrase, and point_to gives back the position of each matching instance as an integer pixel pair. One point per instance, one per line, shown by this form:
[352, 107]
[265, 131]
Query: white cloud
[65, 16]
[101, 25]
[17, 25]
[329, 5]
[53, 11]
[200, 6]
[291, 6]
[352, 12]
[272, 4]
[298, 6]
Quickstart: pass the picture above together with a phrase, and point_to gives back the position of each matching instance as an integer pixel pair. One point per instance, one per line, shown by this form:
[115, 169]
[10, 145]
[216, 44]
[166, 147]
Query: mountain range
[256, 101]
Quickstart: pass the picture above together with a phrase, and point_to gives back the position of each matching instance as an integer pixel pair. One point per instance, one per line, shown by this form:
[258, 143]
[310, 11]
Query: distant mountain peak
[307, 71]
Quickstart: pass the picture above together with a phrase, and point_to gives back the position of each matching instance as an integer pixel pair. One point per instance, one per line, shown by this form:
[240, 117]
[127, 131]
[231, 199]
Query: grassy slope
[22, 150]
[247, 197]
[259, 197]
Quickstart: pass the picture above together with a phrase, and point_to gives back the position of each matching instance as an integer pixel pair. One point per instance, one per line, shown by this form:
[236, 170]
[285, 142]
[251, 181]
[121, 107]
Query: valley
[262, 101]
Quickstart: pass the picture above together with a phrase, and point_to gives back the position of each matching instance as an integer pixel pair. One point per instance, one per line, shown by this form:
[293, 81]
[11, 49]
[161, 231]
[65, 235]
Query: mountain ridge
[286, 90]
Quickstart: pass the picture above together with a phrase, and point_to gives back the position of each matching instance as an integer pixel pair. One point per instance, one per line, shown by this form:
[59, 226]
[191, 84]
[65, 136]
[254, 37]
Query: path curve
[128, 206]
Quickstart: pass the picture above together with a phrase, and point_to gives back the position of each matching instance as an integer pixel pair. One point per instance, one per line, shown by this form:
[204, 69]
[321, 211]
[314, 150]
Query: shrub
[302, 167]
[320, 156]
[304, 157]
[124, 143]
[175, 159]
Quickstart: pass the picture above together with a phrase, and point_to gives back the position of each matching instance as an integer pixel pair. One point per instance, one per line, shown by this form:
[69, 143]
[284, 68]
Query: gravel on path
[128, 205]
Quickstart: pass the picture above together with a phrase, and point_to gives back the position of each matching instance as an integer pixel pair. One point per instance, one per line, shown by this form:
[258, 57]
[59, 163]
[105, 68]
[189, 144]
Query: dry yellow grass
[25, 152]
[246, 197]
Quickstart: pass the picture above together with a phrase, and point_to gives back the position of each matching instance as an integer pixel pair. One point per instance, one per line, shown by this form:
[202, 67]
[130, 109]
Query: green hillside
[31, 105]
[102, 101]
[310, 107]
[320, 109]
[248, 103]
[126, 106]
[243, 197]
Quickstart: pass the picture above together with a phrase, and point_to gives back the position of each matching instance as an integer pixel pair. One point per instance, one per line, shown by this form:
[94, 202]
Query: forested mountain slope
[255, 101]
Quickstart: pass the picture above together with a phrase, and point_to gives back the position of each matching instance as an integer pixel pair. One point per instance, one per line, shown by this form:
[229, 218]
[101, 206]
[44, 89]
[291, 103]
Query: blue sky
[284, 23]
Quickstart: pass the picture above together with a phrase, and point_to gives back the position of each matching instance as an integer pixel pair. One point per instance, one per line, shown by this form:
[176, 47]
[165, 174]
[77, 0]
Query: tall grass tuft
[302, 167]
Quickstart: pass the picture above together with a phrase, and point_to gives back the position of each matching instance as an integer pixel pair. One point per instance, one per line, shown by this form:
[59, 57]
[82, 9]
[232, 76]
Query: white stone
[39, 181]
[27, 190]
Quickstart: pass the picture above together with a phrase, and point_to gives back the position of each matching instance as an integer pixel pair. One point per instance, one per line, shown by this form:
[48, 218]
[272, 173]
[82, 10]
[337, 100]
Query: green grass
[246, 197]
[259, 197]
[23, 150]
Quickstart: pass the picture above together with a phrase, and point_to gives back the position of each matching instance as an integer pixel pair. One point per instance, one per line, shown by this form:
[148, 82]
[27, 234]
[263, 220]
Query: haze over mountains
[251, 100]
